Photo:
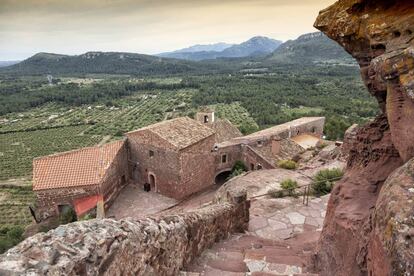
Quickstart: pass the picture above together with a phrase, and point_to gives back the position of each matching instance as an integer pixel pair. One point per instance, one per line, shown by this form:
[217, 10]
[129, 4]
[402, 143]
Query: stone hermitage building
[175, 158]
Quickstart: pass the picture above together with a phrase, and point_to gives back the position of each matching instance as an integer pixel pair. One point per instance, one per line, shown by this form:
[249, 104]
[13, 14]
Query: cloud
[146, 26]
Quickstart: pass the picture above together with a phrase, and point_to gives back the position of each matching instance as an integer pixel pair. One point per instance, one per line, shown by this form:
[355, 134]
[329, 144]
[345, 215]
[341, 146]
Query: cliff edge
[369, 226]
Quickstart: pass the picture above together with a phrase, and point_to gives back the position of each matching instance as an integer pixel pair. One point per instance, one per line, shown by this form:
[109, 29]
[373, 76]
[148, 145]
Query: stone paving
[281, 239]
[136, 203]
[283, 218]
[262, 181]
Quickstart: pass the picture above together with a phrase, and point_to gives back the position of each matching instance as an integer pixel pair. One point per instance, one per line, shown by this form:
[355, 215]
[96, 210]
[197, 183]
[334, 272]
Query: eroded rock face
[391, 248]
[359, 235]
[380, 35]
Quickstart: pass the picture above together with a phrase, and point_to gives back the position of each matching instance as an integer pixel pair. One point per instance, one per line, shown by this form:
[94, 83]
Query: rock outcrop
[368, 228]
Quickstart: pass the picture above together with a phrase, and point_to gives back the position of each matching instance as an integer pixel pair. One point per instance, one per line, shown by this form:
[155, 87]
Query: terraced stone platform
[281, 240]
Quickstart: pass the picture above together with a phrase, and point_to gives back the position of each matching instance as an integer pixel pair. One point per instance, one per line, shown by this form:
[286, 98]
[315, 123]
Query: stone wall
[197, 168]
[48, 200]
[152, 246]
[198, 172]
[177, 173]
[200, 116]
[116, 177]
[252, 157]
[233, 154]
[291, 129]
[164, 165]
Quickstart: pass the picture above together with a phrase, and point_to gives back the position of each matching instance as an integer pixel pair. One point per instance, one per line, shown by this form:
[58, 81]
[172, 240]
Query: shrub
[289, 185]
[237, 169]
[10, 236]
[88, 217]
[287, 164]
[5, 244]
[15, 234]
[324, 181]
[68, 215]
[321, 145]
[276, 193]
[234, 174]
[239, 165]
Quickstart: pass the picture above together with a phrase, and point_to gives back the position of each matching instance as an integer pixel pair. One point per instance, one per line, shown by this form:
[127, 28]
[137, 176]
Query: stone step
[228, 265]
[218, 272]
[250, 255]
[273, 274]
[186, 273]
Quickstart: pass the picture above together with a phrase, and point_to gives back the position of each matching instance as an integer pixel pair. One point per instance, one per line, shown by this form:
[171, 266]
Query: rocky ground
[283, 232]
[281, 239]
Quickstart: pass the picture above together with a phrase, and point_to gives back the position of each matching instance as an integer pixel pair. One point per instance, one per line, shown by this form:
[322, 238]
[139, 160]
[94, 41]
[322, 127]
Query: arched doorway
[67, 213]
[222, 177]
[152, 182]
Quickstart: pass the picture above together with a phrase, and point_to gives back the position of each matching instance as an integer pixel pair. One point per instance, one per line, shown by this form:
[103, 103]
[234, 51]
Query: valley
[55, 103]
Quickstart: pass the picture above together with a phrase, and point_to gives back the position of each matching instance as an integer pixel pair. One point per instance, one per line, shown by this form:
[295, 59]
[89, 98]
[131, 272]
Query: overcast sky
[145, 26]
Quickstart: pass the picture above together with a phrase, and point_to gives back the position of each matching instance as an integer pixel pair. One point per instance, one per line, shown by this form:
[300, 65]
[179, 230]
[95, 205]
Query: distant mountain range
[260, 51]
[100, 62]
[255, 46]
[312, 47]
[216, 47]
[8, 62]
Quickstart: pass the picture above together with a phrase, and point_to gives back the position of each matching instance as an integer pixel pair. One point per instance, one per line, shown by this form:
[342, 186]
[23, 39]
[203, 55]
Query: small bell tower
[205, 115]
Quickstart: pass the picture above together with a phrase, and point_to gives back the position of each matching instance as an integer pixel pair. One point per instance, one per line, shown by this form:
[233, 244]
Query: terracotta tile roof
[180, 132]
[225, 130]
[82, 167]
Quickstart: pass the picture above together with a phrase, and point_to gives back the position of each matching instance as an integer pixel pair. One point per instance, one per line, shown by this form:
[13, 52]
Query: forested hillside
[102, 63]
[311, 48]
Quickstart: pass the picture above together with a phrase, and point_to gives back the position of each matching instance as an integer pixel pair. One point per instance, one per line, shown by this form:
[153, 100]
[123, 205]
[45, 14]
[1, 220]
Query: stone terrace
[282, 235]
[134, 202]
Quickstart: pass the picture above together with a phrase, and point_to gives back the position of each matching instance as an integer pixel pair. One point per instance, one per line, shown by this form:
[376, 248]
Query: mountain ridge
[306, 49]
[214, 47]
[310, 47]
[99, 62]
[255, 46]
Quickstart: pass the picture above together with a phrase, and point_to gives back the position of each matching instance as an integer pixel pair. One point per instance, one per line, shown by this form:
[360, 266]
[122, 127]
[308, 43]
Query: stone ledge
[155, 246]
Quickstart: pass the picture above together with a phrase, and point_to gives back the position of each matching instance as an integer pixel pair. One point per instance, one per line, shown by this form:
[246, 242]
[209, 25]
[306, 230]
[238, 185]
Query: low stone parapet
[151, 246]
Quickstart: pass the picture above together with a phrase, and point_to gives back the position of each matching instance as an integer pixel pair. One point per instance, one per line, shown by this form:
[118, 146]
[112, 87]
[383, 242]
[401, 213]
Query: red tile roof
[180, 132]
[225, 130]
[82, 167]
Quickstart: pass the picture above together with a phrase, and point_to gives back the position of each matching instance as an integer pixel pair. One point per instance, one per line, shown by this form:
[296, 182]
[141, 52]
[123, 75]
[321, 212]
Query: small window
[224, 158]
[151, 153]
[251, 166]
[206, 119]
[313, 130]
[260, 143]
[259, 167]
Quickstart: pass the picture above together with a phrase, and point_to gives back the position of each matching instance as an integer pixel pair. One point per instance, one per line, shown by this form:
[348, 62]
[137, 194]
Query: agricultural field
[18, 149]
[53, 127]
[302, 111]
[14, 202]
[237, 115]
[125, 114]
